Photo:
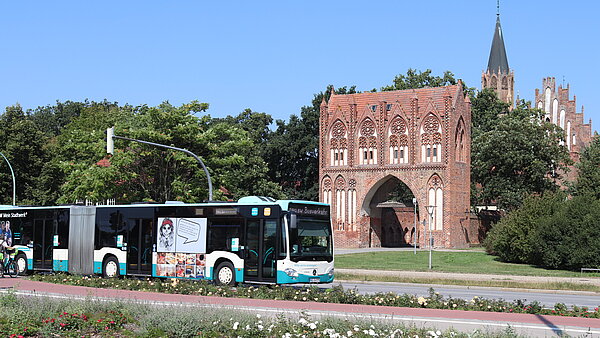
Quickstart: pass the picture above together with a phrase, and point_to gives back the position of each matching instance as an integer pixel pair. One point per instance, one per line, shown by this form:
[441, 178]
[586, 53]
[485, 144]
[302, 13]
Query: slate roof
[498, 59]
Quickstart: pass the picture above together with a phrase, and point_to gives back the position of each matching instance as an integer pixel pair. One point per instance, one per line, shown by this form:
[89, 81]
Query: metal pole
[430, 211]
[415, 234]
[210, 189]
[430, 238]
[13, 179]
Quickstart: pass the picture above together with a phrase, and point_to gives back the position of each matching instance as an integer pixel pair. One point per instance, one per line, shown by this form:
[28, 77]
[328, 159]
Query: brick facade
[420, 137]
[562, 111]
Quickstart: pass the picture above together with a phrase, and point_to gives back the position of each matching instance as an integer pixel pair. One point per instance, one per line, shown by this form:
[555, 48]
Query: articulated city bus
[254, 240]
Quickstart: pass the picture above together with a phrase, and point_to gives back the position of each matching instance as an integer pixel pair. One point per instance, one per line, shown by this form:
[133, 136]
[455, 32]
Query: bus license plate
[314, 280]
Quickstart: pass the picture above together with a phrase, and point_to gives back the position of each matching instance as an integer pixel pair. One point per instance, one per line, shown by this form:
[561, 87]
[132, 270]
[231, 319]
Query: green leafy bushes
[550, 231]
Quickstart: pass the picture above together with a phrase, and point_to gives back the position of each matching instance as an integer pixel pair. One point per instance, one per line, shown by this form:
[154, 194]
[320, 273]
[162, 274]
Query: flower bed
[335, 294]
[23, 316]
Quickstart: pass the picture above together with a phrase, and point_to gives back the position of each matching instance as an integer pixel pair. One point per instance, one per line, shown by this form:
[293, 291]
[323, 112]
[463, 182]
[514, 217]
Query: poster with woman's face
[186, 235]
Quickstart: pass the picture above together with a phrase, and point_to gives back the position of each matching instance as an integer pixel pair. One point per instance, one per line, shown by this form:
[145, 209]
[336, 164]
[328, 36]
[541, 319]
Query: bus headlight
[330, 272]
[291, 272]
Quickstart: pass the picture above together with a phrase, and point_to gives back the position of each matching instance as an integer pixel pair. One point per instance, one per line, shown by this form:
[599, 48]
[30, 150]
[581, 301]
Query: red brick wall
[449, 106]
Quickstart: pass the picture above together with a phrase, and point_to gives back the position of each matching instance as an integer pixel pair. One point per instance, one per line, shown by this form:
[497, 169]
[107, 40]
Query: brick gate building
[370, 142]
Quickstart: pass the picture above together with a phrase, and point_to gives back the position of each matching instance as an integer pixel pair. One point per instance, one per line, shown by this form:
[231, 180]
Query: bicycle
[7, 262]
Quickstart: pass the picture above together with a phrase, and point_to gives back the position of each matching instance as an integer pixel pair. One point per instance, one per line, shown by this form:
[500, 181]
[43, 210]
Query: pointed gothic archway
[393, 218]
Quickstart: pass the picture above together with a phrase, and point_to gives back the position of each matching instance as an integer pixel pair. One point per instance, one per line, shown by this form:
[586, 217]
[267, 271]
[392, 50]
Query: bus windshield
[311, 240]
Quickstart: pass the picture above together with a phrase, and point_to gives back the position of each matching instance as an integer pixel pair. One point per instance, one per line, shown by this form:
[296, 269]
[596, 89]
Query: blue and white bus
[254, 240]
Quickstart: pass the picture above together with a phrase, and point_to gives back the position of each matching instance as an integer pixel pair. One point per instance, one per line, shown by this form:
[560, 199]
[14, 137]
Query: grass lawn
[444, 261]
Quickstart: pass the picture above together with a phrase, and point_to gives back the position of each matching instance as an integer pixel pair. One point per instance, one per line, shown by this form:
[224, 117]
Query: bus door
[43, 231]
[140, 236]
[260, 264]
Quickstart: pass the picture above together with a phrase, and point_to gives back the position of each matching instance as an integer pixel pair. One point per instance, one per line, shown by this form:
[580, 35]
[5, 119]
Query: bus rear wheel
[110, 268]
[225, 274]
[21, 261]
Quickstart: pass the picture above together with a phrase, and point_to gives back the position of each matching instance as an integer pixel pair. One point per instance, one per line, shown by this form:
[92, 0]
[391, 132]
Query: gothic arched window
[435, 198]
[340, 202]
[431, 139]
[326, 190]
[398, 139]
[367, 143]
[459, 142]
[338, 144]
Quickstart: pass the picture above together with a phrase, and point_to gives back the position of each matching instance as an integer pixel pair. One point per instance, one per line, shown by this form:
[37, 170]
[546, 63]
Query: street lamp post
[110, 136]
[430, 210]
[415, 233]
[13, 179]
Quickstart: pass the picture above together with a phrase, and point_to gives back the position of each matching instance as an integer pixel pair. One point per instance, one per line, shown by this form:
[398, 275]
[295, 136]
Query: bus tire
[110, 268]
[225, 274]
[21, 261]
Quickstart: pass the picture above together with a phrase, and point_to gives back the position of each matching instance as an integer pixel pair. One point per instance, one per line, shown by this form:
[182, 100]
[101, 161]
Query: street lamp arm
[210, 189]
[13, 179]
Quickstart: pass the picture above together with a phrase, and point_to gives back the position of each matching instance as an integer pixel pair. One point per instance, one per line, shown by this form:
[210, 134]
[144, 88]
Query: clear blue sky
[272, 56]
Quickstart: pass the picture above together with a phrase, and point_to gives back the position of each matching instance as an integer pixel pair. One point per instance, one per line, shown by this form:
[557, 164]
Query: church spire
[498, 62]
[498, 76]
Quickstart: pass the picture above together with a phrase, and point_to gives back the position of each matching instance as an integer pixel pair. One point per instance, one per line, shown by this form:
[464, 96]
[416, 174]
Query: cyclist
[5, 241]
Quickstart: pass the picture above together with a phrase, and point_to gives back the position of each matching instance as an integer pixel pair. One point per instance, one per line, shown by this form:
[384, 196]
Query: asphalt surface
[547, 298]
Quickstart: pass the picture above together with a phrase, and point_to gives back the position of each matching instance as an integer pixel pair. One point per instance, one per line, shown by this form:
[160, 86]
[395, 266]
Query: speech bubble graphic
[188, 230]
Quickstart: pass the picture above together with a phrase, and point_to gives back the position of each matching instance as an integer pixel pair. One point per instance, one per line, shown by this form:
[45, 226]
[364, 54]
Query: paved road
[548, 298]
[531, 325]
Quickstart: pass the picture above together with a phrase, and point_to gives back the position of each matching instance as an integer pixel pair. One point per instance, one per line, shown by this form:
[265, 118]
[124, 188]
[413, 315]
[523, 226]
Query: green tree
[588, 171]
[25, 146]
[519, 155]
[416, 79]
[486, 110]
[139, 172]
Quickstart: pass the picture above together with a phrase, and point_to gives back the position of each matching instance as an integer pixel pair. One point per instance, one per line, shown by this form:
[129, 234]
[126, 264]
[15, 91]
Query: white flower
[312, 326]
[235, 325]
[303, 321]
[260, 327]
[258, 315]
[349, 333]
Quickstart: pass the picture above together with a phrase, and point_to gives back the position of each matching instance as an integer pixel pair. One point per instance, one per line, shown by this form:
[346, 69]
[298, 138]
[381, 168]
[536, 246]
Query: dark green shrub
[570, 239]
[513, 238]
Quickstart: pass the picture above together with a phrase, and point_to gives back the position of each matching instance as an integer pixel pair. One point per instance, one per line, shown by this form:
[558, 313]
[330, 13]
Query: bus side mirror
[293, 220]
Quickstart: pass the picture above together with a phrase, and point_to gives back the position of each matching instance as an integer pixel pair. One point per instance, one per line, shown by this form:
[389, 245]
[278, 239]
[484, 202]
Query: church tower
[498, 76]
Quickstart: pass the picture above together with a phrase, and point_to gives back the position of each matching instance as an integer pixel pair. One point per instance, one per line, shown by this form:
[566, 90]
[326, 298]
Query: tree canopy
[514, 153]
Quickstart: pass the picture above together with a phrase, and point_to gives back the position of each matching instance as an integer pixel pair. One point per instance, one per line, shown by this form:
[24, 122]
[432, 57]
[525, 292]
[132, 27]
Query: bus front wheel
[225, 274]
[110, 268]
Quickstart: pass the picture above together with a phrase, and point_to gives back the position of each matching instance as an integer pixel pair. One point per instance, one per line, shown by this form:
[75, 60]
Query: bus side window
[220, 233]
